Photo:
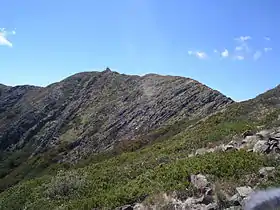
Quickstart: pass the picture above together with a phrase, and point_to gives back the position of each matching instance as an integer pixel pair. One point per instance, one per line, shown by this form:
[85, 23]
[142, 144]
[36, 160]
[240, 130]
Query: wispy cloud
[201, 55]
[238, 48]
[266, 49]
[242, 50]
[4, 37]
[225, 53]
[198, 54]
[239, 57]
[242, 43]
[257, 55]
[243, 38]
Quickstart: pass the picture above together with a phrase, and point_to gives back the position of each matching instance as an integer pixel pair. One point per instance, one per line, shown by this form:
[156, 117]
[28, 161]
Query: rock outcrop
[265, 141]
[205, 200]
[92, 111]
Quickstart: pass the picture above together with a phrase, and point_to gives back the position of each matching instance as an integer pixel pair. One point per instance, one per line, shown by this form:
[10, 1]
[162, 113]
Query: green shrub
[65, 184]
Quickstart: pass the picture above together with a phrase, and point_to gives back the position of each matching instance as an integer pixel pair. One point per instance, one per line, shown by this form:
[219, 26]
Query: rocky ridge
[90, 112]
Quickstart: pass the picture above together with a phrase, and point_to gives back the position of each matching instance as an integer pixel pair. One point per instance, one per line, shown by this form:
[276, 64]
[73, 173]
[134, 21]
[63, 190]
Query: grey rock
[212, 206]
[250, 139]
[247, 133]
[139, 206]
[264, 133]
[266, 171]
[201, 151]
[208, 191]
[235, 200]
[232, 145]
[211, 150]
[234, 208]
[244, 191]
[199, 181]
[126, 207]
[276, 135]
[229, 147]
[191, 155]
[261, 146]
[276, 150]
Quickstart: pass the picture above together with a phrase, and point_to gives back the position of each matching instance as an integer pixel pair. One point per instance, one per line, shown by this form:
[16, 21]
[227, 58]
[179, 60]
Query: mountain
[104, 139]
[91, 111]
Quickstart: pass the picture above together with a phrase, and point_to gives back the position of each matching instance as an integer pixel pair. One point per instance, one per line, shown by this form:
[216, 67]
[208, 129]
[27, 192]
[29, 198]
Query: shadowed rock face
[93, 110]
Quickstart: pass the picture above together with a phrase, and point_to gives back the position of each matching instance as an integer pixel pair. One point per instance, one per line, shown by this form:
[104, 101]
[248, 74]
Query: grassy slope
[114, 180]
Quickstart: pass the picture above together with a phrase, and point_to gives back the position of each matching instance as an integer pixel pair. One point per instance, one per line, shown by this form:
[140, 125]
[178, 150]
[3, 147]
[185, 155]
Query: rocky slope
[90, 112]
[184, 145]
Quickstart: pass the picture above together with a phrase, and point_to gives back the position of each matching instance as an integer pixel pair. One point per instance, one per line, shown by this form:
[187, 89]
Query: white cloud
[215, 51]
[238, 48]
[4, 41]
[243, 38]
[190, 52]
[239, 57]
[225, 53]
[243, 44]
[267, 38]
[266, 49]
[257, 55]
[3, 37]
[201, 55]
[198, 54]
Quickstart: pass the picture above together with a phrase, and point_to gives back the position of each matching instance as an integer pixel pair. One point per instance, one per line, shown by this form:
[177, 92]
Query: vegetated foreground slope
[108, 179]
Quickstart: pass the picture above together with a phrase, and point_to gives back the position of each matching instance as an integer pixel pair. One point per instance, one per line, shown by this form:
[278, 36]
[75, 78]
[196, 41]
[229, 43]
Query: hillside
[103, 140]
[93, 112]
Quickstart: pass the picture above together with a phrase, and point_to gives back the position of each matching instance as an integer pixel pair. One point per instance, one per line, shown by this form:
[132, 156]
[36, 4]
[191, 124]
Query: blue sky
[232, 45]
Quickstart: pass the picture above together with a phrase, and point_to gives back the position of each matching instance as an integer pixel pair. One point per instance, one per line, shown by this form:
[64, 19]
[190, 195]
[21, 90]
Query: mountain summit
[91, 111]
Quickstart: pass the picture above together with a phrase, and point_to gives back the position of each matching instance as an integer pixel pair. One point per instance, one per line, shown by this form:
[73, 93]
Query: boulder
[139, 206]
[191, 155]
[276, 135]
[235, 200]
[211, 206]
[199, 181]
[244, 191]
[276, 150]
[234, 208]
[264, 134]
[247, 133]
[211, 150]
[232, 145]
[229, 147]
[265, 171]
[126, 207]
[201, 151]
[250, 140]
[261, 146]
